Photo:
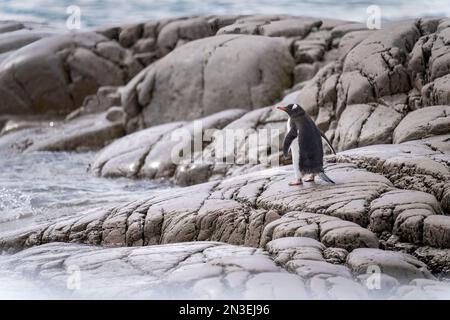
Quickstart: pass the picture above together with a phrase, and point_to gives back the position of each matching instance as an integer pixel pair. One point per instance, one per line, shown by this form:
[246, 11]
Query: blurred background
[105, 12]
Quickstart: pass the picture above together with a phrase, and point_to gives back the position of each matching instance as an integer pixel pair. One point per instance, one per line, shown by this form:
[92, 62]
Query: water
[43, 186]
[102, 12]
[37, 187]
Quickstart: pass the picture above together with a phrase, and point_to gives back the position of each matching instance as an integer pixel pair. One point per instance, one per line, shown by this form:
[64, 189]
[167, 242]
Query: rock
[335, 255]
[188, 83]
[181, 31]
[305, 257]
[401, 266]
[423, 123]
[205, 270]
[153, 152]
[362, 94]
[247, 210]
[299, 27]
[436, 231]
[396, 209]
[115, 114]
[304, 72]
[104, 98]
[53, 75]
[130, 34]
[89, 132]
[437, 260]
[363, 124]
[415, 165]
[330, 231]
[423, 289]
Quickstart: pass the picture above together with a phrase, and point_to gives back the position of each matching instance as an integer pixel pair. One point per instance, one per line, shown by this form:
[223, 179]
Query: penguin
[307, 152]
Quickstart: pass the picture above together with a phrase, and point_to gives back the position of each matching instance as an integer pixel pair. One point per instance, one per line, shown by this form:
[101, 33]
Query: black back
[310, 144]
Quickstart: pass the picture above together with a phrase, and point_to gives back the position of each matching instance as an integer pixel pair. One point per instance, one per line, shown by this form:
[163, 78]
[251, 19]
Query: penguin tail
[326, 178]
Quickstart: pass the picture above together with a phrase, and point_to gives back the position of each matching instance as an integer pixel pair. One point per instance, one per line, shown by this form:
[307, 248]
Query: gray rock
[437, 260]
[335, 255]
[401, 266]
[149, 153]
[420, 165]
[436, 231]
[189, 82]
[89, 132]
[203, 270]
[423, 123]
[53, 75]
[363, 124]
[420, 289]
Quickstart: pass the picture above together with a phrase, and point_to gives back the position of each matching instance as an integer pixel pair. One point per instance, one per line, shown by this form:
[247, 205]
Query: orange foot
[309, 178]
[295, 182]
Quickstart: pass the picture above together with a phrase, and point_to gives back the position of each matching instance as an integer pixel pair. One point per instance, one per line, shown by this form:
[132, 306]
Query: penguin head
[293, 110]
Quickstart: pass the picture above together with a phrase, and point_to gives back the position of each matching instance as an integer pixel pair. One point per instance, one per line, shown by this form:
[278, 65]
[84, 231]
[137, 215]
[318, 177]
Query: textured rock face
[205, 270]
[53, 75]
[380, 77]
[150, 152]
[418, 165]
[14, 35]
[189, 82]
[423, 123]
[89, 132]
[289, 268]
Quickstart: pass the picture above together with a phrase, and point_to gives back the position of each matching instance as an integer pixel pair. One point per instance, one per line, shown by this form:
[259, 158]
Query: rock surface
[238, 230]
[54, 75]
[291, 268]
[89, 132]
[189, 82]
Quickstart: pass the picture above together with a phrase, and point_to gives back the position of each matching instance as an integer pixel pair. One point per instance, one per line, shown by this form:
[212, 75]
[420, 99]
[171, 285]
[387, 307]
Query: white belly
[295, 151]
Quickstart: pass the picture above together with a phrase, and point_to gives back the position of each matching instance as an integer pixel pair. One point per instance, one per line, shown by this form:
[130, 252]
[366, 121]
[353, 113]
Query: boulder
[401, 266]
[423, 123]
[188, 82]
[89, 132]
[53, 75]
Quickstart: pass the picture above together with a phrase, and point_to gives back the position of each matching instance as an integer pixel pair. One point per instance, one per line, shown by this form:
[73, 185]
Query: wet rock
[247, 210]
[89, 132]
[153, 152]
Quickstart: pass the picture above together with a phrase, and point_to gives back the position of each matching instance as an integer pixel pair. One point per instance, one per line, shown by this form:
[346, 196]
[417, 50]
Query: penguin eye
[294, 106]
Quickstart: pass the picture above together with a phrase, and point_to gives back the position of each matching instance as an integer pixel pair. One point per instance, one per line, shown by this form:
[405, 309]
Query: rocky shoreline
[237, 229]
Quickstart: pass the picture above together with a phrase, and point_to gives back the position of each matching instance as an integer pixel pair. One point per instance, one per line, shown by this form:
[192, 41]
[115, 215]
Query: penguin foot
[297, 182]
[309, 178]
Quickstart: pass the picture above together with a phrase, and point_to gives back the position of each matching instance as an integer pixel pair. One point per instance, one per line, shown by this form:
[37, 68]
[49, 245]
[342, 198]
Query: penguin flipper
[326, 178]
[328, 141]
[292, 134]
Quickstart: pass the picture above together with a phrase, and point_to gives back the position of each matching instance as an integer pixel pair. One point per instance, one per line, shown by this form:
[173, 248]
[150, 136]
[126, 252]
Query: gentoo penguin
[307, 153]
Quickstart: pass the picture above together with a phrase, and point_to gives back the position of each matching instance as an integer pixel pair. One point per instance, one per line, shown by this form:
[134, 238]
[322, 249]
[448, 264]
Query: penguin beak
[282, 108]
